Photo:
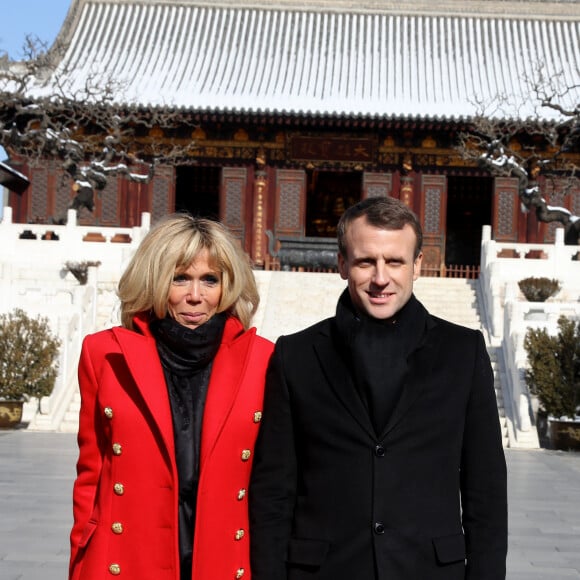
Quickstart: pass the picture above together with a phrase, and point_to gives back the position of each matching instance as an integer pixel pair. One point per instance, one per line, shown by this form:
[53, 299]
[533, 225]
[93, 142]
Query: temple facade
[296, 112]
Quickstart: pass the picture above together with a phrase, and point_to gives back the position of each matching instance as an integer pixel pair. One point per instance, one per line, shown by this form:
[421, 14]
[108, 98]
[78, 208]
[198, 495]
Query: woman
[171, 405]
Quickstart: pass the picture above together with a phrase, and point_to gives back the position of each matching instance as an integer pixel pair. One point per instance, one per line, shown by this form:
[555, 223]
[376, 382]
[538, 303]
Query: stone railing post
[7, 215]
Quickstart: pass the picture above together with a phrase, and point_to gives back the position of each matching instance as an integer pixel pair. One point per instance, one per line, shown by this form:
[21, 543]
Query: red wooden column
[20, 202]
[505, 210]
[433, 214]
[259, 212]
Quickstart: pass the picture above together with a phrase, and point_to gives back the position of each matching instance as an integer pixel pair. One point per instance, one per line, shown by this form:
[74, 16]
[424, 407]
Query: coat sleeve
[90, 458]
[483, 477]
[272, 490]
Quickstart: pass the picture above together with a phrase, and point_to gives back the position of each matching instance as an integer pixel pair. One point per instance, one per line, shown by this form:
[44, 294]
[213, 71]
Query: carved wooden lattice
[39, 187]
[505, 218]
[161, 193]
[109, 201]
[377, 184]
[433, 208]
[290, 202]
[559, 198]
[63, 193]
[233, 199]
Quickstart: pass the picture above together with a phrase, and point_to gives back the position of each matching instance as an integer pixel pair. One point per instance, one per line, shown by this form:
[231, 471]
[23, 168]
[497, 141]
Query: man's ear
[342, 268]
[417, 266]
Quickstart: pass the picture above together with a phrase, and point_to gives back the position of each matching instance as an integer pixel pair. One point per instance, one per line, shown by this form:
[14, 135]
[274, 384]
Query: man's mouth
[380, 295]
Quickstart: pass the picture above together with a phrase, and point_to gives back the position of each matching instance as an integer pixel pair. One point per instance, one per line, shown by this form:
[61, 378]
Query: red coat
[125, 494]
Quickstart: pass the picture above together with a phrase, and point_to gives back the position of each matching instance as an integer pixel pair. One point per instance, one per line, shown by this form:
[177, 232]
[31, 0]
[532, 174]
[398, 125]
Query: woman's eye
[180, 279]
[211, 280]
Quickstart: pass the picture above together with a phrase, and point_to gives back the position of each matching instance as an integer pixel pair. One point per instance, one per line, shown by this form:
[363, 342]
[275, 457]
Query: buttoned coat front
[424, 500]
[126, 491]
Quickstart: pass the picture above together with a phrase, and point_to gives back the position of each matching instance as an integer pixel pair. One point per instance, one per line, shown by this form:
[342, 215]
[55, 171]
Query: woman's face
[195, 292]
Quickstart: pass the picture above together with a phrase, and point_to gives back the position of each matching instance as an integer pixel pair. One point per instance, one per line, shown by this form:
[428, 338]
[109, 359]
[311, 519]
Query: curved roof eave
[306, 114]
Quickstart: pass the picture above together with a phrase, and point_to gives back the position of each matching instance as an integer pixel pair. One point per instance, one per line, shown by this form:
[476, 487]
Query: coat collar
[421, 362]
[228, 368]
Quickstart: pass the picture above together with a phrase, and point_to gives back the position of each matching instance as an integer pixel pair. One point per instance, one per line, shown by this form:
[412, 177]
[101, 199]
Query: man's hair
[170, 247]
[386, 213]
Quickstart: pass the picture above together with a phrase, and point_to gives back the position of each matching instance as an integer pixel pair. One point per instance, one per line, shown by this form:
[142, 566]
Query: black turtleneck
[186, 356]
[377, 352]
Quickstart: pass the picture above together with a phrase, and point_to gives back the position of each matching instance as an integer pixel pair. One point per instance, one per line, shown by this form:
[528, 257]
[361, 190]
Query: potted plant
[554, 377]
[28, 365]
[538, 289]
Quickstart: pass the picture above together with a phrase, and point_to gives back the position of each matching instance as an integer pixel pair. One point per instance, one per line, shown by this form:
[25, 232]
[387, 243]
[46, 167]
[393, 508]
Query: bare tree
[89, 132]
[545, 145]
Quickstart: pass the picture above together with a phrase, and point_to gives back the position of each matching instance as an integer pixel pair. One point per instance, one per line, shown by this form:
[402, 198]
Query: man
[380, 454]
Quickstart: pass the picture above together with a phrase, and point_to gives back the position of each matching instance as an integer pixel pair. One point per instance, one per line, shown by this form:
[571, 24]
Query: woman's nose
[194, 291]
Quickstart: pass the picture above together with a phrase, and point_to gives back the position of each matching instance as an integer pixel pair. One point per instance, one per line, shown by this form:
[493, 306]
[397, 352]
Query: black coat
[426, 500]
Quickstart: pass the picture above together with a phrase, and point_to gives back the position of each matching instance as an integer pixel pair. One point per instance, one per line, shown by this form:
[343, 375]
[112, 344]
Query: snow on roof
[296, 60]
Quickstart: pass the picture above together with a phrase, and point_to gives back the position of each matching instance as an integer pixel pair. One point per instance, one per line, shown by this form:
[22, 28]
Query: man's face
[379, 267]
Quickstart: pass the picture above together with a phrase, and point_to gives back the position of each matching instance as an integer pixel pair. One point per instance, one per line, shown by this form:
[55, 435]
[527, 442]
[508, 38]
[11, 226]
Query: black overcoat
[425, 500]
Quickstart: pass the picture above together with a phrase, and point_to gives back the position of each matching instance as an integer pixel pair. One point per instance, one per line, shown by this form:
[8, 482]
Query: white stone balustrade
[498, 272]
[508, 315]
[33, 277]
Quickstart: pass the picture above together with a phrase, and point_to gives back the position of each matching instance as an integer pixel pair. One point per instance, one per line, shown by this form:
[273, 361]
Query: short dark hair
[387, 213]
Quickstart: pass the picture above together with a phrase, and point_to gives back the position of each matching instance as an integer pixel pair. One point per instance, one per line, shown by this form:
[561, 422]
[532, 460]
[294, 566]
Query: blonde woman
[171, 406]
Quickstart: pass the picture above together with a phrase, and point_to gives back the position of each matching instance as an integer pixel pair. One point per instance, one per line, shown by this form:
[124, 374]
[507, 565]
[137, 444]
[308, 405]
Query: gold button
[239, 573]
[241, 494]
[117, 527]
[115, 569]
[108, 412]
[246, 454]
[257, 416]
[117, 449]
[240, 534]
[119, 488]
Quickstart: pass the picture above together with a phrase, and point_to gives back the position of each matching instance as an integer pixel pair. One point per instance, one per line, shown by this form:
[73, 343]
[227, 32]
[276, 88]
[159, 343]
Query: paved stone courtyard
[37, 471]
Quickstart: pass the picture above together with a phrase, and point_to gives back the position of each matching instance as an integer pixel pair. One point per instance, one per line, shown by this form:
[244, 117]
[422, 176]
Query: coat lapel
[145, 367]
[420, 363]
[339, 377]
[227, 372]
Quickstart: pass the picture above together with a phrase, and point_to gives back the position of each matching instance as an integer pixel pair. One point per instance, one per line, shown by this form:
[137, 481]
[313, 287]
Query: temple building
[296, 110]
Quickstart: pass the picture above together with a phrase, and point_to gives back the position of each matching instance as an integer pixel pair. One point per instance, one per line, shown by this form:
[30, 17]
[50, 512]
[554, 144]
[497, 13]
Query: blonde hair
[171, 245]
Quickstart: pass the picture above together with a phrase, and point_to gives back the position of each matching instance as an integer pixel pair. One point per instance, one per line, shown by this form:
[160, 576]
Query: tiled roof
[320, 58]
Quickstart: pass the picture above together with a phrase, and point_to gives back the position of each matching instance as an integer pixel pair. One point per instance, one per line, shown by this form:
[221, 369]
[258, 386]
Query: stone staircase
[292, 301]
[70, 421]
[455, 299]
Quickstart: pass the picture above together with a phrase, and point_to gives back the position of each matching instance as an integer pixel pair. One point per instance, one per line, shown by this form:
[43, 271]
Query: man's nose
[381, 274]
